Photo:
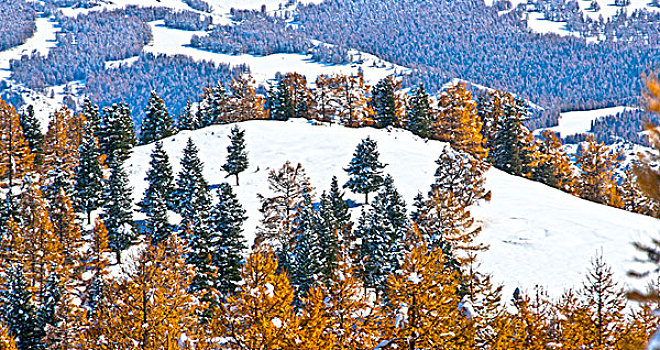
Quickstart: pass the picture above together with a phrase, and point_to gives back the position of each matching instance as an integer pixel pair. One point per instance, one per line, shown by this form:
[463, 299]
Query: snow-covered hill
[537, 235]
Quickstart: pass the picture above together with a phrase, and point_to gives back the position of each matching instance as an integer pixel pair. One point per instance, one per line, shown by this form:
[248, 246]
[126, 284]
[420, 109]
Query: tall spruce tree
[382, 231]
[90, 112]
[188, 120]
[279, 103]
[32, 133]
[508, 150]
[160, 180]
[237, 159]
[116, 134]
[335, 212]
[19, 312]
[419, 113]
[118, 216]
[226, 221]
[192, 191]
[301, 257]
[157, 123]
[88, 188]
[212, 106]
[365, 170]
[384, 102]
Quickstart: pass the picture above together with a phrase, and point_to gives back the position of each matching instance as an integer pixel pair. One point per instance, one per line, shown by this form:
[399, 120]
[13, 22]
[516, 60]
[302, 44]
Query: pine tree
[116, 134]
[237, 159]
[226, 221]
[18, 311]
[159, 195]
[530, 322]
[118, 215]
[338, 214]
[508, 144]
[188, 120]
[88, 188]
[68, 232]
[193, 199]
[16, 160]
[32, 133]
[460, 174]
[213, 107]
[458, 121]
[280, 104]
[382, 231]
[385, 102]
[419, 113]
[90, 112]
[286, 185]
[61, 144]
[365, 170]
[157, 123]
[422, 310]
[260, 315]
[596, 182]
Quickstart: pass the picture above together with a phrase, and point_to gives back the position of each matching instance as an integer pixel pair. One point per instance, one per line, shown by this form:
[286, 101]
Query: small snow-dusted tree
[157, 123]
[88, 188]
[419, 113]
[365, 170]
[159, 195]
[118, 216]
[192, 191]
[237, 159]
[460, 174]
[213, 106]
[116, 134]
[279, 103]
[386, 105]
[188, 120]
[32, 133]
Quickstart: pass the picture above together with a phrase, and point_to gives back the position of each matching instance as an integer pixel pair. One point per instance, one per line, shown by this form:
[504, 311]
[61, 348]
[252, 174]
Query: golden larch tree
[16, 160]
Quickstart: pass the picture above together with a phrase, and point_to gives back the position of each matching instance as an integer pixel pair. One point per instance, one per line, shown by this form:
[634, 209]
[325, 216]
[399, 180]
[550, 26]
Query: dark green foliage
[212, 105]
[88, 188]
[188, 120]
[91, 113]
[280, 103]
[237, 159]
[382, 230]
[227, 242]
[419, 113]
[118, 216]
[51, 295]
[384, 101]
[157, 123]
[116, 135]
[32, 133]
[192, 191]
[159, 195]
[18, 312]
[508, 151]
[365, 170]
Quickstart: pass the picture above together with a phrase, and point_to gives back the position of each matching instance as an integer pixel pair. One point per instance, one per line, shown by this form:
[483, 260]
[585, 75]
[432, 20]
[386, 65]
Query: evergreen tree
[159, 195]
[300, 94]
[226, 221]
[18, 311]
[382, 231]
[118, 216]
[508, 150]
[90, 112]
[237, 159]
[365, 170]
[419, 113]
[157, 123]
[188, 120]
[384, 102]
[88, 188]
[61, 144]
[280, 104]
[302, 259]
[213, 106]
[460, 174]
[336, 223]
[32, 133]
[116, 134]
[192, 194]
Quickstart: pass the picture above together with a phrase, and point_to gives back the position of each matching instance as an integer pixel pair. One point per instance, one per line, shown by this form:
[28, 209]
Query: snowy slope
[576, 122]
[538, 235]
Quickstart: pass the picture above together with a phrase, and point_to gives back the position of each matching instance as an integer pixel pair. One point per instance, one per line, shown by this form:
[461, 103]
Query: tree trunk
[236, 179]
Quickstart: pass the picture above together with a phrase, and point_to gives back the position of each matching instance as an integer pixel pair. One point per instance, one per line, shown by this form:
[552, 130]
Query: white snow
[571, 123]
[537, 235]
[171, 41]
[277, 322]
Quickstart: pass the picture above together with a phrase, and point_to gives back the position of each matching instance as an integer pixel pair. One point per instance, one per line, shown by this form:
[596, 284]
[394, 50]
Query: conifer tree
[422, 310]
[188, 120]
[67, 230]
[244, 103]
[31, 128]
[326, 100]
[157, 123]
[90, 112]
[300, 94]
[280, 104]
[260, 315]
[419, 113]
[458, 121]
[351, 98]
[338, 214]
[61, 144]
[226, 221]
[550, 164]
[365, 170]
[88, 188]
[118, 216]
[508, 144]
[16, 160]
[18, 311]
[382, 231]
[116, 134]
[286, 185]
[159, 195]
[237, 159]
[385, 102]
[213, 107]
[193, 199]
[596, 182]
[530, 322]
[460, 174]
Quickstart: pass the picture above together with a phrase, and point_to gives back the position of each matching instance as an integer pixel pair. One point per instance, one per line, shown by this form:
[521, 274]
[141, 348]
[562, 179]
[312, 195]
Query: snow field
[537, 234]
